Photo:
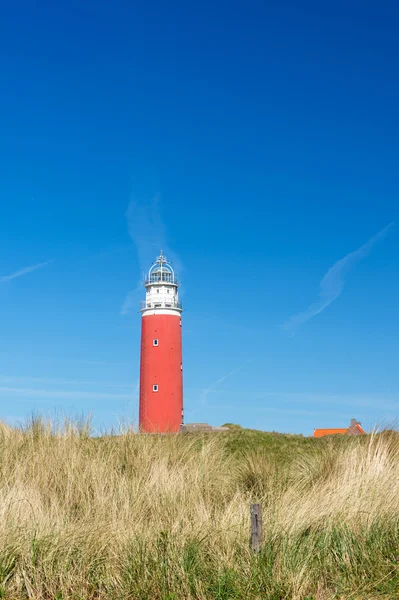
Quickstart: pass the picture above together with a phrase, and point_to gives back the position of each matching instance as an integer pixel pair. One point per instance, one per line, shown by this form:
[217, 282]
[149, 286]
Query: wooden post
[256, 527]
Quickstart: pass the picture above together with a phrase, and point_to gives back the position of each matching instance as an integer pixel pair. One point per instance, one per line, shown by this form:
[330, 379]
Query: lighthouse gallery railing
[145, 304]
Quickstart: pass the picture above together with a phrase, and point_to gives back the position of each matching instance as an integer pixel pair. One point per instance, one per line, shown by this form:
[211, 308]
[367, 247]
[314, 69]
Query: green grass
[167, 517]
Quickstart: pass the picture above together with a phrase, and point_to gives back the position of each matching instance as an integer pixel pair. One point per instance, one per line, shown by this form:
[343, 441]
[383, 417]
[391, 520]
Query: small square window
[155, 388]
[155, 342]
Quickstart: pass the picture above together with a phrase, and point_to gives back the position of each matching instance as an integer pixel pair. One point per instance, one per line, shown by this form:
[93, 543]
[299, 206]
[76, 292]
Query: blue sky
[256, 143]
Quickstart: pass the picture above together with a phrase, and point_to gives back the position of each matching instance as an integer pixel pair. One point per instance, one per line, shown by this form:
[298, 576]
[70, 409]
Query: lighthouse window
[167, 290]
[155, 388]
[155, 342]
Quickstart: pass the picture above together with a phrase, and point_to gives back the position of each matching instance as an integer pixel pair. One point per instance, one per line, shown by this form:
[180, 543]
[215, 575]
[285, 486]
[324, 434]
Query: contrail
[332, 284]
[23, 271]
[207, 391]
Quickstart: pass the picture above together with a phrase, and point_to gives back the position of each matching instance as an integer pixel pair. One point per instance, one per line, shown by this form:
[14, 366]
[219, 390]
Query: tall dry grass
[167, 517]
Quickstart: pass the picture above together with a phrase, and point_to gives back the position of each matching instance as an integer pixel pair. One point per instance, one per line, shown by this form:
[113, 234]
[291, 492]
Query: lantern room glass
[161, 272]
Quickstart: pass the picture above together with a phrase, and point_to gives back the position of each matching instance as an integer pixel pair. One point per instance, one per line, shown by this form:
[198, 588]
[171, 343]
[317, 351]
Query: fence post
[256, 527]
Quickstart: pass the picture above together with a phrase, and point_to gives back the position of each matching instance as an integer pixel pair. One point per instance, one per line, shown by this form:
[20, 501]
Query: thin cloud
[61, 394]
[322, 399]
[333, 282]
[147, 231]
[5, 379]
[146, 228]
[273, 409]
[24, 271]
[317, 403]
[130, 302]
[211, 388]
[104, 363]
[230, 373]
[279, 398]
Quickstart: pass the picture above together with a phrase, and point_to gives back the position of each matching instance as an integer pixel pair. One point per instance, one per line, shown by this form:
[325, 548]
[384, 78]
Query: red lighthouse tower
[161, 377]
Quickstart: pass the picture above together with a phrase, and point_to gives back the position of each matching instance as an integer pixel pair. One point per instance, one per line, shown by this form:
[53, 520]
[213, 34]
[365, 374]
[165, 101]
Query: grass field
[167, 517]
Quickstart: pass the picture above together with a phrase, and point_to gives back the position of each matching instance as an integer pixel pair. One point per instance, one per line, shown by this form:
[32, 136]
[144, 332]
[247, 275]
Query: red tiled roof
[322, 432]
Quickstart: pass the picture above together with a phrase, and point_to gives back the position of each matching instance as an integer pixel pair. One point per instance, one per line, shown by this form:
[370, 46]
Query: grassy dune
[167, 517]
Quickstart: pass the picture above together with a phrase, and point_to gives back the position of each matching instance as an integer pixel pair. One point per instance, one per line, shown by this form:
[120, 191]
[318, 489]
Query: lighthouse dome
[161, 288]
[161, 271]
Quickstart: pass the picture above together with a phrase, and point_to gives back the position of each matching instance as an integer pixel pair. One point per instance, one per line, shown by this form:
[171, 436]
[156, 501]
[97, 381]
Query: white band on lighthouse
[161, 311]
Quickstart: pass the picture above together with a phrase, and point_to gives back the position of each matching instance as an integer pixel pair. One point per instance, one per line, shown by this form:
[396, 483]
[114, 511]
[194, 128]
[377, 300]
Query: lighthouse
[161, 375]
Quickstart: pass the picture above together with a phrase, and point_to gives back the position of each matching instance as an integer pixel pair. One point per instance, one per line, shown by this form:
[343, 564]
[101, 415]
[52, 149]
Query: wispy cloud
[274, 409]
[320, 399]
[104, 363]
[24, 271]
[51, 381]
[213, 387]
[147, 231]
[333, 282]
[62, 394]
[311, 403]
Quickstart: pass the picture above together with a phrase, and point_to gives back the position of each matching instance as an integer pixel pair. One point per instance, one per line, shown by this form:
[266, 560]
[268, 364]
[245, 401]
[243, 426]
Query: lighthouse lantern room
[161, 377]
